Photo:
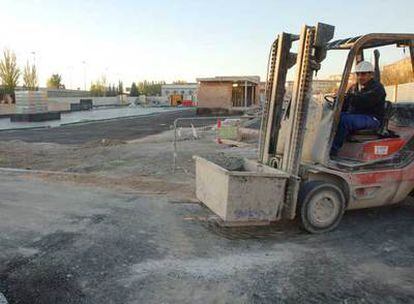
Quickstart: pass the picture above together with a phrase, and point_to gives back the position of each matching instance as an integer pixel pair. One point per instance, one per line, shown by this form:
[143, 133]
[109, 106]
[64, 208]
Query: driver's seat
[382, 131]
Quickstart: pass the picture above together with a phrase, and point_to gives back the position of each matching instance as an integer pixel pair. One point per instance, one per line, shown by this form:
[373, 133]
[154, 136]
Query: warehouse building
[185, 93]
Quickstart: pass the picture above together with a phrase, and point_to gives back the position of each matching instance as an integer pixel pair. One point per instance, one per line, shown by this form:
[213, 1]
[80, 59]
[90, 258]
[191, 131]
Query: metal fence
[190, 129]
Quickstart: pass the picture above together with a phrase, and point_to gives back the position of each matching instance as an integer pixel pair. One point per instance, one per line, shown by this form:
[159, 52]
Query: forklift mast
[311, 52]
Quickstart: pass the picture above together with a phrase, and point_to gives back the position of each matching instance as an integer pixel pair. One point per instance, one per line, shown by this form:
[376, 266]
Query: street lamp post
[84, 75]
[34, 57]
[70, 68]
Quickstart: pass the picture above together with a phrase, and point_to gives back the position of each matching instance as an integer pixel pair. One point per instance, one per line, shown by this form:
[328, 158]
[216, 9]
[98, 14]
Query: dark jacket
[370, 100]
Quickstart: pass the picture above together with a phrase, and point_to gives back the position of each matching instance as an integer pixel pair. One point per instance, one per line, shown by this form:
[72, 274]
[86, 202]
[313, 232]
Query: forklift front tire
[321, 206]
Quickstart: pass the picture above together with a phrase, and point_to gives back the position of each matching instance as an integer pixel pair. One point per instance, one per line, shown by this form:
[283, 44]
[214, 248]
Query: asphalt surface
[69, 244]
[120, 129]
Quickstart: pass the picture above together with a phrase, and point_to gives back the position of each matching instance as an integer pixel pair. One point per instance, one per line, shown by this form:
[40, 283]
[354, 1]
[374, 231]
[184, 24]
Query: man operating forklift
[363, 106]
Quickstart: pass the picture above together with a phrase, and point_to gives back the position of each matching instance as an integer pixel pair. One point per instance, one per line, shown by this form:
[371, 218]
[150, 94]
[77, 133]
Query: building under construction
[228, 93]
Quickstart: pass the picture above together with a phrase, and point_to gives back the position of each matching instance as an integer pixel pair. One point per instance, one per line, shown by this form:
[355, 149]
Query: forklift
[374, 168]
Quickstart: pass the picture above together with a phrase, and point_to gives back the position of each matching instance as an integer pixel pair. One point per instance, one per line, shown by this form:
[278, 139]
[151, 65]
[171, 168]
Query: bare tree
[30, 79]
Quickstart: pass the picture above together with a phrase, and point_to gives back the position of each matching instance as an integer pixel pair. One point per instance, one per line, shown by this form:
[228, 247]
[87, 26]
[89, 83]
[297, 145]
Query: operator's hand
[349, 86]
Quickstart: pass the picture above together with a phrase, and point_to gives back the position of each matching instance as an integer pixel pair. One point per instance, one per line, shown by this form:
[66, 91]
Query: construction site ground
[94, 213]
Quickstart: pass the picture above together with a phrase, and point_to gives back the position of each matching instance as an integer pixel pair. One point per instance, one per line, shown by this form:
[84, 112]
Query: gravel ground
[150, 157]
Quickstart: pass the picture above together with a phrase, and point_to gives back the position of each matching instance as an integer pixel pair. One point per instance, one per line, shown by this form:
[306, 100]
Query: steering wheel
[330, 100]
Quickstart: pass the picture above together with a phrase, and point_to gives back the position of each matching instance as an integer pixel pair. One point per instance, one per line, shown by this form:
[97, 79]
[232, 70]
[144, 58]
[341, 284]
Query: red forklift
[373, 168]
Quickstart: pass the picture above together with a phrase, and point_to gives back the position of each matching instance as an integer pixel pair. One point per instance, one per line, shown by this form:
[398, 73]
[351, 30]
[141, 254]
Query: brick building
[319, 86]
[398, 72]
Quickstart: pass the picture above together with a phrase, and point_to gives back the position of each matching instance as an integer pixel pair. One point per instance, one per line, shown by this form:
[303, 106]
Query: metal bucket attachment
[240, 191]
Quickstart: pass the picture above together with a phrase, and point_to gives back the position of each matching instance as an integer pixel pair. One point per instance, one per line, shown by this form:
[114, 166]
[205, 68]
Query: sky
[133, 40]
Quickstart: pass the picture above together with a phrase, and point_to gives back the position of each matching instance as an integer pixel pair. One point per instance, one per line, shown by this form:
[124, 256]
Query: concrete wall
[157, 99]
[66, 93]
[215, 95]
[63, 103]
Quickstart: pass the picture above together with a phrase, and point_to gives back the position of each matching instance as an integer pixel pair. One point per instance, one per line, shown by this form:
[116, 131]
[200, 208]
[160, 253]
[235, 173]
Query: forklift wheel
[321, 205]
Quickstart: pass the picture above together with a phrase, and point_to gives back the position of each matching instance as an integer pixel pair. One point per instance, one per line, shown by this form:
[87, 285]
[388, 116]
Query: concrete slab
[129, 128]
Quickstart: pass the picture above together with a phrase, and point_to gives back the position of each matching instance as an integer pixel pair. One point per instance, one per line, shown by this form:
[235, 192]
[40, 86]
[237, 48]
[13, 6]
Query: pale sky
[171, 40]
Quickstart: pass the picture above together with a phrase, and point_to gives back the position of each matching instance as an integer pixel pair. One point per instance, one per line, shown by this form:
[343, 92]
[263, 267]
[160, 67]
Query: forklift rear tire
[321, 206]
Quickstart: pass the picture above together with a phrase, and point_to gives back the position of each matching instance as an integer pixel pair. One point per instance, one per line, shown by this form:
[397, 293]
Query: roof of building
[253, 79]
[179, 85]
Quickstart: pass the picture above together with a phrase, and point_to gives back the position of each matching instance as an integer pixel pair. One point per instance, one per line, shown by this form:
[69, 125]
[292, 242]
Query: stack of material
[32, 106]
[31, 102]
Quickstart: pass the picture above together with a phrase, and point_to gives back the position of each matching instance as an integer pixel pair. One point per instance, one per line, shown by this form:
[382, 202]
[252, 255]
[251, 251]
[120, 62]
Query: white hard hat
[364, 67]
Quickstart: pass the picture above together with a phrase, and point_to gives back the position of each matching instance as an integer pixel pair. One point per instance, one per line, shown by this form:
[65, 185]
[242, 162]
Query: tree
[179, 82]
[55, 81]
[30, 80]
[150, 88]
[134, 90]
[111, 90]
[9, 72]
[108, 91]
[120, 87]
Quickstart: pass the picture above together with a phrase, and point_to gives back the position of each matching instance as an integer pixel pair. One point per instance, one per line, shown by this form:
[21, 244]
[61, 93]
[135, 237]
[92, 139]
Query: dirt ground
[107, 220]
[142, 165]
